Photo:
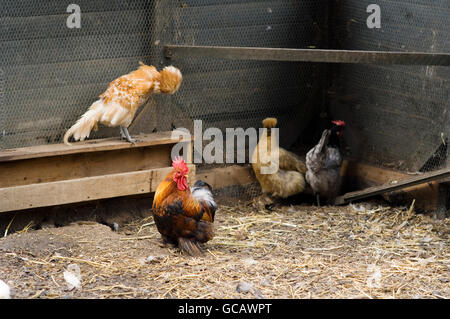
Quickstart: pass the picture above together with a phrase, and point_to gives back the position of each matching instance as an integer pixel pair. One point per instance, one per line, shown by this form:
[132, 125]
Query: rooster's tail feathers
[189, 246]
[203, 233]
[82, 128]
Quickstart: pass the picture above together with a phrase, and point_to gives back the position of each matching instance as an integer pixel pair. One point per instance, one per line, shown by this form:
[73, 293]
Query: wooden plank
[24, 8]
[368, 175]
[108, 144]
[361, 175]
[83, 189]
[79, 75]
[262, 77]
[232, 175]
[223, 102]
[59, 50]
[408, 182]
[401, 111]
[228, 15]
[227, 176]
[37, 27]
[308, 55]
[72, 166]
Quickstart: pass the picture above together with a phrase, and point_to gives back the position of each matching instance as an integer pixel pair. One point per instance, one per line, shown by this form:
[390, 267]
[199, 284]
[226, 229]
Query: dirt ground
[356, 251]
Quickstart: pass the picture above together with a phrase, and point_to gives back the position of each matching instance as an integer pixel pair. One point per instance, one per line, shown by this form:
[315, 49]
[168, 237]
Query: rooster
[119, 103]
[184, 216]
[289, 179]
[324, 162]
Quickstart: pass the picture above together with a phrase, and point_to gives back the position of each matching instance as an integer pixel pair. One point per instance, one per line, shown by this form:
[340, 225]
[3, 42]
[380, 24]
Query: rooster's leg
[167, 241]
[125, 135]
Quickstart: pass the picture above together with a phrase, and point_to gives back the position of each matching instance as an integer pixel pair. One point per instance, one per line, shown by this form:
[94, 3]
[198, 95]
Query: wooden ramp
[58, 174]
[393, 186]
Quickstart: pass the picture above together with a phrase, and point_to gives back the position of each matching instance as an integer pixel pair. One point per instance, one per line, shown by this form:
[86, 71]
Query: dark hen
[323, 163]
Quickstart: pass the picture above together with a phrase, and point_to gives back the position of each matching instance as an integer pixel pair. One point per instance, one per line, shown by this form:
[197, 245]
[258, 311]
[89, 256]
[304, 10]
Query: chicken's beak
[186, 175]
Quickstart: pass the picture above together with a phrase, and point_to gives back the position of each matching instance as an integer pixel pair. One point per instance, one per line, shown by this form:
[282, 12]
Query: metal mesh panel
[236, 194]
[52, 74]
[224, 93]
[398, 116]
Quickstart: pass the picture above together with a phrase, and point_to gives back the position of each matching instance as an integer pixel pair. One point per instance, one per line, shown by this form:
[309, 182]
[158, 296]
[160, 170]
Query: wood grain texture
[227, 176]
[79, 165]
[386, 181]
[83, 189]
[309, 55]
[108, 144]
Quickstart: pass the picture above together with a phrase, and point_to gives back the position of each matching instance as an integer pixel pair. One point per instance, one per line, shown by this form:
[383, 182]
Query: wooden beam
[73, 166]
[232, 175]
[107, 144]
[360, 175]
[366, 175]
[83, 189]
[308, 55]
[393, 186]
[227, 176]
[58, 174]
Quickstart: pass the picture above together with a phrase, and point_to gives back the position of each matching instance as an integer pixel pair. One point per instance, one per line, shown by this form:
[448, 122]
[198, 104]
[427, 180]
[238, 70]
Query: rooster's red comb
[179, 163]
[338, 123]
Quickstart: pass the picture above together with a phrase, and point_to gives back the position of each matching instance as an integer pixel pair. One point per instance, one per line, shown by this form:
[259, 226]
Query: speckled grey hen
[323, 163]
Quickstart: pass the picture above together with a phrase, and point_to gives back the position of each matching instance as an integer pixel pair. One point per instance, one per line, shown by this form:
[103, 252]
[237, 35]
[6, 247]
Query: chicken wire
[50, 74]
[398, 116]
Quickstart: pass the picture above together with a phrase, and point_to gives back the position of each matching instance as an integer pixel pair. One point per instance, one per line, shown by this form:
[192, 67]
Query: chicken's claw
[126, 136]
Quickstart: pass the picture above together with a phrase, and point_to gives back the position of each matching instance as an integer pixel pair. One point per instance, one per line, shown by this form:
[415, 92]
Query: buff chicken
[117, 106]
[288, 179]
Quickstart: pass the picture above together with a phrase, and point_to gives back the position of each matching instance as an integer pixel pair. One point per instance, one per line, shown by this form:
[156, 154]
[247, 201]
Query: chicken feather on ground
[184, 216]
[119, 103]
[289, 179]
[324, 164]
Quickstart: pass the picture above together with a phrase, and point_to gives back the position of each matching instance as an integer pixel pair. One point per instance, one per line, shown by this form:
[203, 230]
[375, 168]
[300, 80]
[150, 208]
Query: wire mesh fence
[52, 73]
[398, 115]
